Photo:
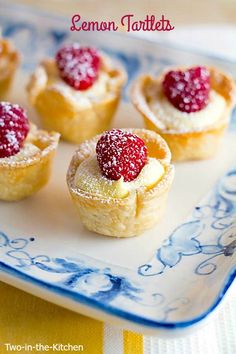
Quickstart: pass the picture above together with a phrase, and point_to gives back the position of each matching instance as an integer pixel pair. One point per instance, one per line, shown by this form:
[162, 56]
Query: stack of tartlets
[118, 179]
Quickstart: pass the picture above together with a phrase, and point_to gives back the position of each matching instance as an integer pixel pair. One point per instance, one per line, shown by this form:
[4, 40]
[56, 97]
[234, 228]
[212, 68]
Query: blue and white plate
[144, 283]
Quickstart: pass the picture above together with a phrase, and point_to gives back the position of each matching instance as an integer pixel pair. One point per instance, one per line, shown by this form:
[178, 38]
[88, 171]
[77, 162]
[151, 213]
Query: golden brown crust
[75, 124]
[7, 71]
[196, 145]
[20, 179]
[124, 217]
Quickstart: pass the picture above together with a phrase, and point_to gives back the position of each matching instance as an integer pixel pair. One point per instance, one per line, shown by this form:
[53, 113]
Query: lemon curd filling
[48, 78]
[174, 119]
[98, 89]
[89, 179]
[29, 150]
[53, 80]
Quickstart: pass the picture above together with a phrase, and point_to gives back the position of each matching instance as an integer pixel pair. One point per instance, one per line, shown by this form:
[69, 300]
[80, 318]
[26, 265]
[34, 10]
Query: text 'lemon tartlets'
[9, 61]
[76, 114]
[186, 143]
[131, 215]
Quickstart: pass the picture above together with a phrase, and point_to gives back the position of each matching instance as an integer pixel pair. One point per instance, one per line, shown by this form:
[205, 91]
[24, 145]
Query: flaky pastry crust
[129, 216]
[59, 113]
[11, 59]
[20, 179]
[194, 145]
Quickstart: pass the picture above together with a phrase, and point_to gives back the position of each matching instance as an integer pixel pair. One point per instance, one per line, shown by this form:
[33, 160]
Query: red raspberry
[188, 90]
[120, 153]
[14, 127]
[78, 66]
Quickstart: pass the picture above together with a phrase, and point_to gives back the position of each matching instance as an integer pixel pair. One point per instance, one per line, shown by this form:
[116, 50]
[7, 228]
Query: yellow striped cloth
[26, 319]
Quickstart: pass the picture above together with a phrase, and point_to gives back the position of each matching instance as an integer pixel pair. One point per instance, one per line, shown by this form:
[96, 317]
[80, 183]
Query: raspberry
[78, 66]
[14, 127]
[120, 153]
[188, 90]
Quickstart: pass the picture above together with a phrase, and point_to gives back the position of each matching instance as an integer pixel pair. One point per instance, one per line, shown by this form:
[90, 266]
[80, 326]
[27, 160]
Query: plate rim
[110, 310]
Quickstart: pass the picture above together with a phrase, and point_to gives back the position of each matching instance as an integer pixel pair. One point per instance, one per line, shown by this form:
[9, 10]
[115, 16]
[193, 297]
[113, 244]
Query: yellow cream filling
[48, 77]
[172, 118]
[98, 89]
[28, 151]
[89, 179]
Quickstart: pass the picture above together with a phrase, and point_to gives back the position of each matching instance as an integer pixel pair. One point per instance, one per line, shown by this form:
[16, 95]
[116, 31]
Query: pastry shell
[75, 123]
[20, 179]
[194, 145]
[129, 216]
[7, 70]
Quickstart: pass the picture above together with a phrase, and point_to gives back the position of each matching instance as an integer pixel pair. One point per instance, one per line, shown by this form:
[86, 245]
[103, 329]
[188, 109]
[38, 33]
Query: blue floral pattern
[101, 284]
[107, 285]
[218, 216]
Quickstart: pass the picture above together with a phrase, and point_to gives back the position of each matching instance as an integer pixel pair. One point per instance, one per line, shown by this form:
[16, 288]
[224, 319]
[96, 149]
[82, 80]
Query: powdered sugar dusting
[14, 127]
[78, 66]
[173, 120]
[36, 147]
[89, 179]
[88, 149]
[188, 90]
[26, 154]
[121, 154]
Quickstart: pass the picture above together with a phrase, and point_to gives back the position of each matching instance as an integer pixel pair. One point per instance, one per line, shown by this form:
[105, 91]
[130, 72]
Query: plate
[167, 280]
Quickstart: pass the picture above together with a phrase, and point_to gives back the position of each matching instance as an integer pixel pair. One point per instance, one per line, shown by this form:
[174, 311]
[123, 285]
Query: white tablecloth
[216, 337]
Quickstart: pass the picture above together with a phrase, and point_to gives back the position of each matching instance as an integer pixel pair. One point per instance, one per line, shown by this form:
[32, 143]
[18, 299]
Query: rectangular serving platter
[166, 281]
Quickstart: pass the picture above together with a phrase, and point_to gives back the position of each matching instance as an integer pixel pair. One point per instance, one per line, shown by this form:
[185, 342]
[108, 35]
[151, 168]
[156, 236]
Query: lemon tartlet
[119, 181]
[190, 108]
[76, 93]
[9, 61]
[26, 154]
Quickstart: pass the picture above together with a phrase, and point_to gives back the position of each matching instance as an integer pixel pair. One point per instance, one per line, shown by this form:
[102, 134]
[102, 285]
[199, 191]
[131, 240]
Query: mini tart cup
[12, 59]
[194, 145]
[20, 179]
[129, 216]
[60, 113]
